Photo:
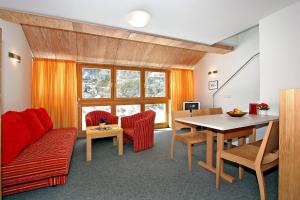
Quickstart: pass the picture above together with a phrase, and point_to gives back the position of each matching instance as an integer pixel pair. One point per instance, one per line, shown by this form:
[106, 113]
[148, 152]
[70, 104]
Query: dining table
[225, 127]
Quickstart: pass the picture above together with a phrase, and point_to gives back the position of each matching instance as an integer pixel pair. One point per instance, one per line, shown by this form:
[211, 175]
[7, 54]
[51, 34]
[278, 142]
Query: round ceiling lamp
[138, 18]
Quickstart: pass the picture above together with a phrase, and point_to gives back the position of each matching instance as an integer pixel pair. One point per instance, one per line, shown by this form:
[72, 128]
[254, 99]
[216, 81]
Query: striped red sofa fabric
[44, 163]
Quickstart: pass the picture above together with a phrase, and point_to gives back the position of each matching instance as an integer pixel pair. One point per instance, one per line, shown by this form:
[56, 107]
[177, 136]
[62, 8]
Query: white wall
[280, 54]
[244, 88]
[16, 77]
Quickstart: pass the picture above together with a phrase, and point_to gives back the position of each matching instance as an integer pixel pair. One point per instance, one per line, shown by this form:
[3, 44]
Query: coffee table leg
[120, 144]
[88, 148]
[114, 141]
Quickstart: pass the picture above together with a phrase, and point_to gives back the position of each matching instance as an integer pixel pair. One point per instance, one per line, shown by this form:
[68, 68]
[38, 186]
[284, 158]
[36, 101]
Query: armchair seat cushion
[129, 132]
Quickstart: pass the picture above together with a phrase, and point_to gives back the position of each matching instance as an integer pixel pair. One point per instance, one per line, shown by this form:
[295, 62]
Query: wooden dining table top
[224, 122]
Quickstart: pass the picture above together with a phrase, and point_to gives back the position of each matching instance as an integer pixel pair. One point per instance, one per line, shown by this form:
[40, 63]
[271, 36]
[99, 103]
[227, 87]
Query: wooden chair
[259, 156]
[202, 111]
[189, 138]
[215, 111]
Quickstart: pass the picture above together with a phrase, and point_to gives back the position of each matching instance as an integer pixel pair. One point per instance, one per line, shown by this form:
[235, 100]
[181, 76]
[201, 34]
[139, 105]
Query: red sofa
[34, 155]
[93, 118]
[139, 129]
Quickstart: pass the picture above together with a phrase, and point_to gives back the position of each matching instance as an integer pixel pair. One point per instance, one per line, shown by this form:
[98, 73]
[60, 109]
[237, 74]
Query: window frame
[114, 101]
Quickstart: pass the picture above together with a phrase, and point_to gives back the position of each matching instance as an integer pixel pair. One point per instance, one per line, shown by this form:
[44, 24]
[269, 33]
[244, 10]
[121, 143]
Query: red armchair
[139, 129]
[93, 118]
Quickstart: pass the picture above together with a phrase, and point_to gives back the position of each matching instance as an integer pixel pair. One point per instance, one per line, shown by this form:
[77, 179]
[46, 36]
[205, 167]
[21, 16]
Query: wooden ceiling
[56, 38]
[81, 47]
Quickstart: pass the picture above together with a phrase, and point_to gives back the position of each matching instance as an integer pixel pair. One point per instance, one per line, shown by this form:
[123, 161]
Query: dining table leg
[208, 164]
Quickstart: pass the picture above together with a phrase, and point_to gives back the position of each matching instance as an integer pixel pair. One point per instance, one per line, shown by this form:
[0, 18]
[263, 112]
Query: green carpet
[147, 175]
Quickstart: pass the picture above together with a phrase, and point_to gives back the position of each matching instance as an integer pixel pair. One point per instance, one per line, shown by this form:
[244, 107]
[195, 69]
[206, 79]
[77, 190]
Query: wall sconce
[213, 72]
[14, 57]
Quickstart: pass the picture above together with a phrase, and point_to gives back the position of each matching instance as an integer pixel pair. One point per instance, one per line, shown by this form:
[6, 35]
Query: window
[128, 83]
[96, 83]
[87, 109]
[160, 110]
[122, 91]
[155, 84]
[126, 110]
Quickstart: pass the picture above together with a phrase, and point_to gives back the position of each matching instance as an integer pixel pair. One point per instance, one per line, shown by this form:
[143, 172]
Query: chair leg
[219, 167]
[218, 172]
[172, 147]
[241, 141]
[229, 144]
[190, 152]
[261, 183]
[241, 172]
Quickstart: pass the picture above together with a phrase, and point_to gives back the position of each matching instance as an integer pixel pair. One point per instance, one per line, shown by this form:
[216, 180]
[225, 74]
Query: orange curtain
[182, 87]
[54, 87]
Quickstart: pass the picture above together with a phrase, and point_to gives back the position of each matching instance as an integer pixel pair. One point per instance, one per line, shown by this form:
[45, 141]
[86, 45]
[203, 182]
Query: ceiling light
[138, 18]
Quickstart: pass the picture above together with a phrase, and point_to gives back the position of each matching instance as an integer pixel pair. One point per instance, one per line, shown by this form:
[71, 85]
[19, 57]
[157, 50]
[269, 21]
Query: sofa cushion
[48, 157]
[44, 118]
[36, 128]
[15, 136]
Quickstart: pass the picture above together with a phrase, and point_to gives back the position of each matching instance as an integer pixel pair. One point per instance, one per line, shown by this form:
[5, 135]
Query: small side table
[91, 133]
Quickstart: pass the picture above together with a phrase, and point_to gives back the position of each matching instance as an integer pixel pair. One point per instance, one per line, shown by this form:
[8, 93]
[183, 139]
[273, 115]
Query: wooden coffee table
[91, 133]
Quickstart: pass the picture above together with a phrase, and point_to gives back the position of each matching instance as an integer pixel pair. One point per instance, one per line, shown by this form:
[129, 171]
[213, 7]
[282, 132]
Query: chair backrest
[200, 112]
[92, 118]
[215, 111]
[268, 150]
[149, 113]
[176, 114]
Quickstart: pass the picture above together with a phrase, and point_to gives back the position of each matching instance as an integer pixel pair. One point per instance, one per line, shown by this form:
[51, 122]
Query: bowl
[241, 114]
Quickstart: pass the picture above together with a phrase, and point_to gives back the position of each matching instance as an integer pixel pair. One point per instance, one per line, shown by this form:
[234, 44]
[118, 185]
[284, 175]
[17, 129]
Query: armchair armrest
[88, 121]
[144, 127]
[113, 119]
[128, 121]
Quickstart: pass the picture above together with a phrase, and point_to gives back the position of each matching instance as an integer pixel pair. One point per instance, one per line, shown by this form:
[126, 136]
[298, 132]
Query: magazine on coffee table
[102, 128]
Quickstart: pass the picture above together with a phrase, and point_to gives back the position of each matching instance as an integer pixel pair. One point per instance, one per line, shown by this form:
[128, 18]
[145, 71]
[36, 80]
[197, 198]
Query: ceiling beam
[102, 30]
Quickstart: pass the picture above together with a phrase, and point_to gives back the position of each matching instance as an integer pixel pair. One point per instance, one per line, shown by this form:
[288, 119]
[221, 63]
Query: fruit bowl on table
[233, 114]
